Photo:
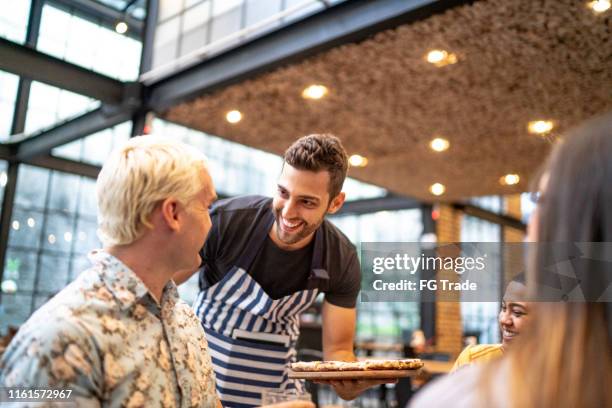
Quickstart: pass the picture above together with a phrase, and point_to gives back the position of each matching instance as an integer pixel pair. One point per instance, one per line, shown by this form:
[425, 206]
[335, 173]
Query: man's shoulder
[336, 239]
[241, 203]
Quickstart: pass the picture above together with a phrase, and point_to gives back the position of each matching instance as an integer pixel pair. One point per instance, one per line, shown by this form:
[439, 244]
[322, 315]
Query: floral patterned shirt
[107, 339]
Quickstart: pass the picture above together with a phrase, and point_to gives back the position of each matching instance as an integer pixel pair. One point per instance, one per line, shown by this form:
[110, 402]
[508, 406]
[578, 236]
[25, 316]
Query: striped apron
[251, 336]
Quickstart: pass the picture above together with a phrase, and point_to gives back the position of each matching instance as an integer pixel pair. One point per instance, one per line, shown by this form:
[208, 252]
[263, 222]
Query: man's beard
[292, 238]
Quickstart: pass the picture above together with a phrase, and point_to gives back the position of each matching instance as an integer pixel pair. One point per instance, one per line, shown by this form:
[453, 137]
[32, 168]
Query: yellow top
[478, 353]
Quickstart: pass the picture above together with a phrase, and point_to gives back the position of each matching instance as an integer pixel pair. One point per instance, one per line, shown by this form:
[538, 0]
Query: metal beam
[148, 37]
[342, 23]
[17, 126]
[73, 129]
[389, 202]
[27, 62]
[6, 216]
[427, 305]
[65, 165]
[99, 13]
[146, 61]
[490, 216]
[22, 98]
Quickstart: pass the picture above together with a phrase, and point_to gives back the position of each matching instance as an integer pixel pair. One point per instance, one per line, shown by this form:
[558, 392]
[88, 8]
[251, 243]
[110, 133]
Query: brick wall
[449, 328]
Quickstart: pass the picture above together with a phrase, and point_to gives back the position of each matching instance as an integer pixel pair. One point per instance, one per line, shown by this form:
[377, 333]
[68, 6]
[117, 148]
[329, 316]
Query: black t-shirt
[279, 272]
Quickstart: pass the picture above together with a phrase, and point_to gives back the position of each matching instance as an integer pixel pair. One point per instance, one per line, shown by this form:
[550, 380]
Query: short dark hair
[320, 152]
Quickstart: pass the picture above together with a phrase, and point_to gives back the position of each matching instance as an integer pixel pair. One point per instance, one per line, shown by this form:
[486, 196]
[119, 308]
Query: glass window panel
[56, 230]
[70, 104]
[224, 6]
[48, 105]
[53, 275]
[20, 267]
[258, 10]
[196, 16]
[55, 26]
[51, 46]
[85, 238]
[169, 8]
[31, 187]
[194, 39]
[87, 198]
[14, 20]
[167, 31]
[225, 23]
[64, 192]
[96, 148]
[72, 150]
[70, 37]
[26, 228]
[166, 42]
[15, 309]
[527, 207]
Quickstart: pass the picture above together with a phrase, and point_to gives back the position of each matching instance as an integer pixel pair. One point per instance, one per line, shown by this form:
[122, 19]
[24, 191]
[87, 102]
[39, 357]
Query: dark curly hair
[320, 152]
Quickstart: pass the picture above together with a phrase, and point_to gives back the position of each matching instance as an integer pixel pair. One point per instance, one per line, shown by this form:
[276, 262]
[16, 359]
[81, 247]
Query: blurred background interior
[447, 109]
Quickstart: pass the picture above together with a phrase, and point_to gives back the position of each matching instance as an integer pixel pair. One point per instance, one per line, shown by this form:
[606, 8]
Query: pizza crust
[367, 365]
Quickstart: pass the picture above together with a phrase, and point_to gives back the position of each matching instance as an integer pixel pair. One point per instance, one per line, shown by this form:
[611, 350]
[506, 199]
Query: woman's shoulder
[478, 352]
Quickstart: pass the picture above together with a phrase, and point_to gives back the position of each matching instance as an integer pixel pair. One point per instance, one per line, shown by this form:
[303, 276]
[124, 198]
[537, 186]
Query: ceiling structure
[517, 61]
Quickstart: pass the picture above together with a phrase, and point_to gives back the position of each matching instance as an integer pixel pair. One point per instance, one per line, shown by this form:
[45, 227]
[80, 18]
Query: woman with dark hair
[514, 316]
[565, 358]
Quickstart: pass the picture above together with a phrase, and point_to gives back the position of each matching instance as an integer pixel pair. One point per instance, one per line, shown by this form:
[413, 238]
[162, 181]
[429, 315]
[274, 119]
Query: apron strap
[318, 275]
[257, 241]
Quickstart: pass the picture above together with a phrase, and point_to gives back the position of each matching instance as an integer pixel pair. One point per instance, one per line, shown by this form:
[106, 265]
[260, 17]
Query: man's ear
[336, 203]
[169, 209]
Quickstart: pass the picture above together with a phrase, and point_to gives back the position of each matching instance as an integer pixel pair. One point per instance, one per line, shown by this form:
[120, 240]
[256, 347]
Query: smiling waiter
[264, 263]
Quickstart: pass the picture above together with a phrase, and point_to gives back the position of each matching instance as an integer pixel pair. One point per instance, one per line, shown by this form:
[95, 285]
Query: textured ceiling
[518, 60]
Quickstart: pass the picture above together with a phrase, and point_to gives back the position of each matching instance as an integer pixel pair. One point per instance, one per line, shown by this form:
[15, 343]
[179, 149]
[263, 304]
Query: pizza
[366, 365]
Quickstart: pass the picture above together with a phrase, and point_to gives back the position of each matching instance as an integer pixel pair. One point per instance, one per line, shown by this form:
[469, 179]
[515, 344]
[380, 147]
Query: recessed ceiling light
[121, 27]
[31, 222]
[357, 160]
[540, 127]
[440, 58]
[16, 225]
[233, 116]
[439, 144]
[510, 179]
[437, 189]
[314, 92]
[599, 6]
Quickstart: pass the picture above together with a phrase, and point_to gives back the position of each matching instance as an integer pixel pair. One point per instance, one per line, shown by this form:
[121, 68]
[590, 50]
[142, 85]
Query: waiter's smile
[290, 226]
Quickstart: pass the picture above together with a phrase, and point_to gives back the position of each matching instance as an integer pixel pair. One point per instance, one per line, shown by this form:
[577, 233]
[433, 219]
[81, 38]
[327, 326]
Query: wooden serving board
[353, 375]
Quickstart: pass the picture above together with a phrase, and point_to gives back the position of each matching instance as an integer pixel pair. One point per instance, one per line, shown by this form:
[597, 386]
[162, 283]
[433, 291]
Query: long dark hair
[564, 359]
